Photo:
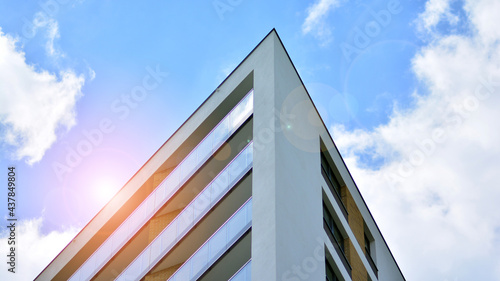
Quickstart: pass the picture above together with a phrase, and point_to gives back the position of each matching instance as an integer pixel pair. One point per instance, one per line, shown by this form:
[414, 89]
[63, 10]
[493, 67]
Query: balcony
[222, 240]
[190, 215]
[166, 189]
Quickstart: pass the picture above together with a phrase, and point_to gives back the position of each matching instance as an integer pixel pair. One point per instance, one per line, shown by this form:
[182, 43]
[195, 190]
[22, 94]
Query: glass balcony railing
[190, 216]
[168, 187]
[244, 273]
[216, 245]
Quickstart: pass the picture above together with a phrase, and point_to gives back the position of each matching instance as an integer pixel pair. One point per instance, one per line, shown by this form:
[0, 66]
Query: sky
[409, 90]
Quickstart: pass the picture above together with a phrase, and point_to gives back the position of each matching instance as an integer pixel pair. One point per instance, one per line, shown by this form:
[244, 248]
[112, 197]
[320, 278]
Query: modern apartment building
[250, 187]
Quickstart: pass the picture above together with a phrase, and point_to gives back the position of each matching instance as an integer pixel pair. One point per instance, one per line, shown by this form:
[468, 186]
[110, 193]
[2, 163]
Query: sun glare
[105, 189]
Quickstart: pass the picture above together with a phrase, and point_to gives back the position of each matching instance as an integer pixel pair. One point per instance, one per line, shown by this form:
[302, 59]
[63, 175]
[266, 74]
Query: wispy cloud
[34, 104]
[51, 29]
[35, 250]
[438, 186]
[52, 35]
[435, 12]
[315, 22]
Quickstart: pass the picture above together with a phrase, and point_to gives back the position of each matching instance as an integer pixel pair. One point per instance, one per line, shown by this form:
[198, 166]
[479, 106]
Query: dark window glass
[367, 245]
[333, 228]
[329, 174]
[330, 275]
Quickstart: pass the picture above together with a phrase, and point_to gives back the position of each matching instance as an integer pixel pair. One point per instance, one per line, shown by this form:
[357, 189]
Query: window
[370, 250]
[329, 174]
[330, 275]
[333, 228]
[367, 245]
[335, 237]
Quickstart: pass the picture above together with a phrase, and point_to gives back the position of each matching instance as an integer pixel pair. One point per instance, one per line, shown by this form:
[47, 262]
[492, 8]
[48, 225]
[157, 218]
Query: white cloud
[315, 21]
[486, 21]
[42, 21]
[435, 12]
[435, 197]
[35, 250]
[33, 103]
[52, 34]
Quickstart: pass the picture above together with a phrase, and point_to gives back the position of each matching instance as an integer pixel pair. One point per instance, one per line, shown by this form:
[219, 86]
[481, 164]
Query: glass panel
[202, 203]
[236, 224]
[249, 210]
[240, 276]
[118, 237]
[248, 269]
[243, 110]
[150, 208]
[205, 148]
[222, 239]
[217, 242]
[250, 153]
[195, 159]
[171, 183]
[159, 198]
[87, 269]
[187, 165]
[138, 216]
[168, 236]
[243, 274]
[155, 250]
[133, 269]
[184, 220]
[237, 167]
[183, 273]
[200, 259]
[219, 133]
[220, 183]
[145, 261]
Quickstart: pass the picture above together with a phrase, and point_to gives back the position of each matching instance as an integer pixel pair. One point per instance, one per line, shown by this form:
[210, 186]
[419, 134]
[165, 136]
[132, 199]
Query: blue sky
[407, 88]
